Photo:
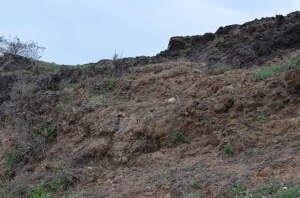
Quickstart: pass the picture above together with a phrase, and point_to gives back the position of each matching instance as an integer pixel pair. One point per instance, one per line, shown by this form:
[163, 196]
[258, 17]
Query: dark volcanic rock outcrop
[6, 84]
[11, 62]
[240, 45]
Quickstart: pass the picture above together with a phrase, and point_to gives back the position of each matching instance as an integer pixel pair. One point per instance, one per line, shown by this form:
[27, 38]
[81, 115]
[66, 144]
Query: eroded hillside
[198, 121]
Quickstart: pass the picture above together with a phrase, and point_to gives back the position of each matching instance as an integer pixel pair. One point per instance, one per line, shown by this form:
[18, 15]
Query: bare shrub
[116, 59]
[29, 145]
[17, 47]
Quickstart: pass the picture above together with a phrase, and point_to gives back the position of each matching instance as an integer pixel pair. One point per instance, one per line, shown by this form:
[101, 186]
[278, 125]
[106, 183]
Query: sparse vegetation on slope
[163, 126]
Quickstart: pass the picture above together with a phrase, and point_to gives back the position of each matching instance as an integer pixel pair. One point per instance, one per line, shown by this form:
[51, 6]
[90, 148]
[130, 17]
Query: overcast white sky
[83, 31]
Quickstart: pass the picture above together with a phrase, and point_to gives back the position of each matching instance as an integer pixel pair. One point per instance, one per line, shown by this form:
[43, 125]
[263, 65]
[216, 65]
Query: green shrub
[51, 130]
[57, 184]
[289, 193]
[238, 190]
[177, 138]
[270, 189]
[102, 100]
[48, 130]
[270, 71]
[261, 118]
[11, 158]
[112, 83]
[40, 192]
[47, 186]
[228, 149]
[221, 69]
[196, 184]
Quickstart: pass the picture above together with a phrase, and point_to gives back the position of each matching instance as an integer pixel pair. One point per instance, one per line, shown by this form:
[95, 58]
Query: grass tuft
[178, 138]
[221, 69]
[228, 149]
[11, 158]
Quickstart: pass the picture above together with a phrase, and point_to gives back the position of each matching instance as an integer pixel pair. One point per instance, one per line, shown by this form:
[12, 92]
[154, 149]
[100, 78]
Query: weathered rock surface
[240, 45]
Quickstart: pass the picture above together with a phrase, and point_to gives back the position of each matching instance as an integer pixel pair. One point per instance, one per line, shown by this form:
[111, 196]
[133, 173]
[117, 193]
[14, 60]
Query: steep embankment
[189, 122]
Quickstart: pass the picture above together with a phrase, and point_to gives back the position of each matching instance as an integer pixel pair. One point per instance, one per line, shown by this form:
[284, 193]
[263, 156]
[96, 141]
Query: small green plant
[223, 175]
[97, 89]
[238, 190]
[189, 46]
[4, 124]
[69, 99]
[269, 189]
[73, 85]
[228, 149]
[221, 42]
[63, 107]
[46, 187]
[132, 77]
[51, 130]
[57, 184]
[170, 175]
[102, 69]
[293, 64]
[48, 130]
[196, 184]
[261, 118]
[102, 100]
[112, 83]
[105, 102]
[11, 158]
[200, 169]
[221, 69]
[177, 138]
[158, 184]
[148, 179]
[6, 74]
[40, 192]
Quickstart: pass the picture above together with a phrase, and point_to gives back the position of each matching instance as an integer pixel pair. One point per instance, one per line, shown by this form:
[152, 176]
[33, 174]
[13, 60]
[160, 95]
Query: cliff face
[188, 122]
[240, 45]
